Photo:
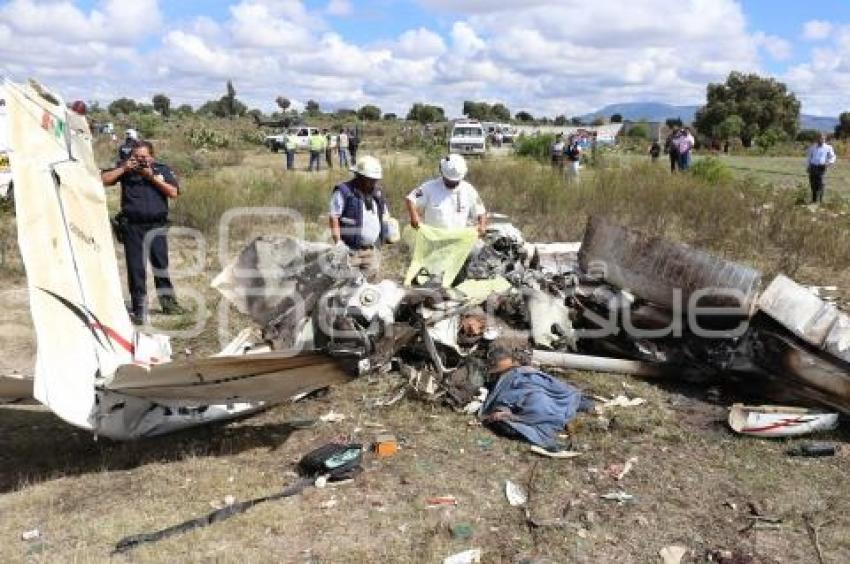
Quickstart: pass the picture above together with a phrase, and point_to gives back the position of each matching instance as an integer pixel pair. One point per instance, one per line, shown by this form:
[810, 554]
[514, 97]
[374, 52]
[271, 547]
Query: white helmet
[368, 166]
[132, 134]
[453, 167]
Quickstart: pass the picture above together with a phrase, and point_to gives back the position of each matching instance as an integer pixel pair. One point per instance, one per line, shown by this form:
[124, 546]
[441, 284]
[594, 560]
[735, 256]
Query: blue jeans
[290, 160]
[685, 161]
[343, 157]
[315, 158]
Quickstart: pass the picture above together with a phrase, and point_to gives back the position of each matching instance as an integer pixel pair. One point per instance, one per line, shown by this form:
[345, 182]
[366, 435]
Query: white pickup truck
[468, 138]
[302, 135]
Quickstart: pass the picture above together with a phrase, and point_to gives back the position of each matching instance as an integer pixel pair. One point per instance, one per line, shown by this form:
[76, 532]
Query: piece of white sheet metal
[779, 421]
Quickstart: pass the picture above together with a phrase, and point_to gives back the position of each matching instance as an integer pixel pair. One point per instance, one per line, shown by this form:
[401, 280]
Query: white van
[5, 169]
[468, 138]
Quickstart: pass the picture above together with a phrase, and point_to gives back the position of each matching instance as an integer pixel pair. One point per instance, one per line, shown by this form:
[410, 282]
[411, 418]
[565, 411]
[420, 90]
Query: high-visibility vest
[317, 142]
[290, 143]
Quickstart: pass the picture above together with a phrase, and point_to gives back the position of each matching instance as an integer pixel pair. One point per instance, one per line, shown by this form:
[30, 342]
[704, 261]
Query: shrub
[535, 146]
[712, 170]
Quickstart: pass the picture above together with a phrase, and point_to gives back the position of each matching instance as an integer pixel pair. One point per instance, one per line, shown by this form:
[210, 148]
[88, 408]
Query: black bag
[338, 461]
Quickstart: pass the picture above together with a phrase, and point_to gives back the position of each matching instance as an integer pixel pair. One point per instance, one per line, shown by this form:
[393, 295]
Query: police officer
[358, 214]
[131, 140]
[146, 187]
[290, 144]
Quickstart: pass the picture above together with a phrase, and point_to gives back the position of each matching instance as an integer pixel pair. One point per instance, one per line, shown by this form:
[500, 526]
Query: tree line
[748, 107]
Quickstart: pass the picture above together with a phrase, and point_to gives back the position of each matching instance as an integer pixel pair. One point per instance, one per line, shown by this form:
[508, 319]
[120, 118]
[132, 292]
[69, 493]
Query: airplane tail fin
[82, 328]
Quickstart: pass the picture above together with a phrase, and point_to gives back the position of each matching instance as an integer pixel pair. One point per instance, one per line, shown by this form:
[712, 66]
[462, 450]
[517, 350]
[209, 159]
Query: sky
[549, 57]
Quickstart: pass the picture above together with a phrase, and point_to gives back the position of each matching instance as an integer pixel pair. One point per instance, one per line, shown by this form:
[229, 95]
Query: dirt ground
[694, 483]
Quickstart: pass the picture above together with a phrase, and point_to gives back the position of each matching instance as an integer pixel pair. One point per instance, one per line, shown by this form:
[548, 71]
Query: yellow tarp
[441, 252]
[477, 291]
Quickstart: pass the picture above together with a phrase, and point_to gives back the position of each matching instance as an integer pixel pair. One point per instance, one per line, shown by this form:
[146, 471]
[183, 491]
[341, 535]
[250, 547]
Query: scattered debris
[385, 445]
[779, 421]
[814, 535]
[672, 554]
[622, 401]
[812, 449]
[515, 494]
[619, 471]
[618, 496]
[441, 501]
[332, 417]
[471, 556]
[461, 531]
[32, 534]
[554, 453]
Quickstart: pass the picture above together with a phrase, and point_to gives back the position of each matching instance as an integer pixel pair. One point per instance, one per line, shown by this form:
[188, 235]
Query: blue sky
[549, 57]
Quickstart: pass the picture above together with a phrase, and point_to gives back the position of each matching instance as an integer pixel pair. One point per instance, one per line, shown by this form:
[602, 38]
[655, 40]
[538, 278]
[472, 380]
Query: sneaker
[137, 318]
[171, 307]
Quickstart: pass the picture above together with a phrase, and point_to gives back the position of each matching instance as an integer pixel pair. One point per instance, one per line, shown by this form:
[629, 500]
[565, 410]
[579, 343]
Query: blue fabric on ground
[541, 404]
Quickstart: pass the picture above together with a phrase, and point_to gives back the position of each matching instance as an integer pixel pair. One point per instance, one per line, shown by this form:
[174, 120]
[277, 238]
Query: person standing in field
[316, 144]
[655, 150]
[572, 152]
[672, 150]
[146, 187]
[290, 144]
[358, 216]
[342, 148]
[447, 202]
[329, 144]
[556, 152]
[820, 156]
[353, 144]
[684, 145]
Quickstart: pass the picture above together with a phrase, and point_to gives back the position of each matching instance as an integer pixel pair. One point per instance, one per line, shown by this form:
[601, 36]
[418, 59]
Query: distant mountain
[657, 111]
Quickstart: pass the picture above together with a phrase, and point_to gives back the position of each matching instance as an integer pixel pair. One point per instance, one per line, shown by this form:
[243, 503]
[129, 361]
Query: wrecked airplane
[619, 301]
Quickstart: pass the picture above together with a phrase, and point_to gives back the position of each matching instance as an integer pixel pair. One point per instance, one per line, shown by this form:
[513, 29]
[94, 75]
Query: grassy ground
[692, 482]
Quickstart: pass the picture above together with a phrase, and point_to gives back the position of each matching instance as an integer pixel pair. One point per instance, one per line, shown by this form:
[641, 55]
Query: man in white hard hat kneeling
[449, 201]
[359, 217]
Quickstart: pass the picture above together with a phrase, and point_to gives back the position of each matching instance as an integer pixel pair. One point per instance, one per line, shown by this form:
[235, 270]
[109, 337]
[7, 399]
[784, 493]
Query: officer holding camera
[146, 187]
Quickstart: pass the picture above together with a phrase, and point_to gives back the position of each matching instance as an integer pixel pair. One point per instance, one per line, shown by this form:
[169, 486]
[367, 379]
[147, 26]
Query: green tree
[162, 104]
[524, 116]
[122, 106]
[729, 128]
[616, 118]
[808, 135]
[639, 131]
[390, 117]
[184, 110]
[369, 112]
[762, 103]
[842, 130]
[283, 103]
[228, 102]
[425, 113]
[560, 120]
[770, 137]
[576, 121]
[500, 112]
[312, 108]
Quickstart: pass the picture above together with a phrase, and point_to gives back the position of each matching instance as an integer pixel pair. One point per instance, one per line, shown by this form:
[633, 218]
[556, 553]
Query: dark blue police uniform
[145, 210]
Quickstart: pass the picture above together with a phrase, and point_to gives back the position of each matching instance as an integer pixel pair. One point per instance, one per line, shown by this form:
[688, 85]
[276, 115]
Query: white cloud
[551, 57]
[815, 30]
[339, 8]
[776, 47]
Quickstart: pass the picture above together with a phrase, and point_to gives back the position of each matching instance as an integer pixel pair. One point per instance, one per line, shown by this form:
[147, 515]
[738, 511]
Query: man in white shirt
[342, 145]
[358, 212]
[448, 202]
[819, 157]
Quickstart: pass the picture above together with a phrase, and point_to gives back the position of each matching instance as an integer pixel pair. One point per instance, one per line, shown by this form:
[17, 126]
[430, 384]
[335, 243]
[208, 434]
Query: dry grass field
[694, 482]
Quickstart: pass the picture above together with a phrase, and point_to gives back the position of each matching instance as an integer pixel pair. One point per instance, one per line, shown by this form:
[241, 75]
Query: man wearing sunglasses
[449, 201]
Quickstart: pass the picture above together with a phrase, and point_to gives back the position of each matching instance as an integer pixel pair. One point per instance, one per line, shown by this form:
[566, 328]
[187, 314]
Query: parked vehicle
[302, 135]
[468, 138]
